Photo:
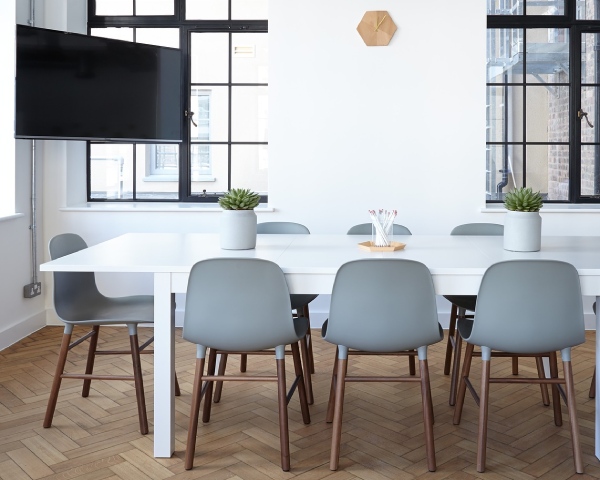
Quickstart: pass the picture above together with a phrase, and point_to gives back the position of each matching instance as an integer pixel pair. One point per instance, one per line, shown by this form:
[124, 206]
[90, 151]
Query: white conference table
[309, 262]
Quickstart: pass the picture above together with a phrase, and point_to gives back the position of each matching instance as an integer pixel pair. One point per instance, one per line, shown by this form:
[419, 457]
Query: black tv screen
[79, 87]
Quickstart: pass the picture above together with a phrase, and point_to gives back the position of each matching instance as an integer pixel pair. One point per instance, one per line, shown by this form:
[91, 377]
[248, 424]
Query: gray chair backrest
[383, 305]
[238, 304]
[74, 292]
[478, 229]
[529, 306]
[367, 229]
[281, 228]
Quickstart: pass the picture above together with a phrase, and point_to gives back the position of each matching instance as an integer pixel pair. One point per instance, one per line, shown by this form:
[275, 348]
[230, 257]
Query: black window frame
[186, 27]
[575, 27]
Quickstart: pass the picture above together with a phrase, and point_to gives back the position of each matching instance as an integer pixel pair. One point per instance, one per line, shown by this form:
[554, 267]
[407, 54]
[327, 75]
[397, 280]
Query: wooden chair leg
[306, 367]
[219, 385]
[311, 356]
[336, 435]
[483, 415]
[284, 435]
[570, 387]
[194, 413]
[427, 415]
[330, 404]
[592, 393]
[449, 346]
[139, 382]
[454, 379]
[462, 385]
[60, 368]
[555, 392]
[212, 360]
[543, 386]
[177, 389]
[89, 368]
[301, 388]
[515, 365]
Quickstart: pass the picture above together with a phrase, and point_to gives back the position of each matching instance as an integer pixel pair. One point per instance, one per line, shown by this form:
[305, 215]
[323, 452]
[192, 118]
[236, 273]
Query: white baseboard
[21, 329]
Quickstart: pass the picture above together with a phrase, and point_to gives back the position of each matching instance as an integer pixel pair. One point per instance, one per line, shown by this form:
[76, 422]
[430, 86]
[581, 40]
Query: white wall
[351, 128]
[18, 316]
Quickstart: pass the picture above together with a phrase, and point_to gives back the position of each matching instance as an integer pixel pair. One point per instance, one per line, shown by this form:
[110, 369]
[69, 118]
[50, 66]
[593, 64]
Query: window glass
[249, 9]
[527, 7]
[249, 58]
[163, 37]
[154, 7]
[111, 171]
[249, 114]
[210, 57]
[114, 7]
[115, 33]
[157, 172]
[207, 9]
[249, 167]
[215, 157]
[210, 105]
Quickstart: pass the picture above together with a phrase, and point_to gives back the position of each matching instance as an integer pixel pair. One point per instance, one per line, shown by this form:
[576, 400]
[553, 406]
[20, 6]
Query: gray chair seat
[546, 316]
[78, 302]
[381, 306]
[259, 319]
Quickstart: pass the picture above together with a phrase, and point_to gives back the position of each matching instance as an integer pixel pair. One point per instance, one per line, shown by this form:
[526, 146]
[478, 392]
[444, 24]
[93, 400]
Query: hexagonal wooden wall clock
[376, 28]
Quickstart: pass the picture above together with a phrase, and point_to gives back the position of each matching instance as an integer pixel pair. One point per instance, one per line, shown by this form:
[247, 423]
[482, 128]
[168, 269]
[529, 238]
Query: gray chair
[77, 301]
[546, 315]
[397, 229]
[299, 303]
[259, 319]
[367, 229]
[386, 307]
[461, 304]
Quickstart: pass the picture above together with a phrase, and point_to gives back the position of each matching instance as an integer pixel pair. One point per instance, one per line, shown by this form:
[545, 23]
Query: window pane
[210, 57]
[215, 158]
[157, 168]
[249, 114]
[586, 10]
[547, 114]
[590, 58]
[163, 37]
[590, 170]
[589, 99]
[250, 57]
[211, 113]
[116, 33]
[111, 171]
[504, 114]
[114, 7]
[206, 9]
[249, 167]
[548, 170]
[249, 9]
[503, 59]
[495, 171]
[154, 7]
[547, 7]
[504, 7]
[547, 55]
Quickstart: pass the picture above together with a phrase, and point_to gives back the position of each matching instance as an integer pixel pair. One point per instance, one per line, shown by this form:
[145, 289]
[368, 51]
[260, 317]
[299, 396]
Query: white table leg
[164, 361]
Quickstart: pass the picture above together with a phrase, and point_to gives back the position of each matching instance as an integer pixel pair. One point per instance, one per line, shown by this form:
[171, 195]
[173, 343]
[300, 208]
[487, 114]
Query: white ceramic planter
[522, 231]
[238, 229]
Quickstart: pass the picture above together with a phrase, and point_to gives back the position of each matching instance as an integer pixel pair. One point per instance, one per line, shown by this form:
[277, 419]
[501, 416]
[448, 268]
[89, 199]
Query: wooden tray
[372, 248]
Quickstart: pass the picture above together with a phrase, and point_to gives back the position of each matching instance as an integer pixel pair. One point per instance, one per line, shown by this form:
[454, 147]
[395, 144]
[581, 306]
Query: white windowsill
[550, 208]
[152, 207]
[11, 217]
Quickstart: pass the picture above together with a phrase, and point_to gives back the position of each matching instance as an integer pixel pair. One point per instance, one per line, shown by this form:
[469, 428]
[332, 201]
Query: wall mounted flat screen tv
[78, 87]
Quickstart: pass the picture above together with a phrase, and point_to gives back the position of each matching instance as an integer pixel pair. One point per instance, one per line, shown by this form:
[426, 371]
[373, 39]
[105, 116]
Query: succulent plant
[239, 199]
[523, 200]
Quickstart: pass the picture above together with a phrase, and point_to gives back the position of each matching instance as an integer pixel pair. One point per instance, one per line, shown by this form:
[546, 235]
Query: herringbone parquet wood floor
[97, 437]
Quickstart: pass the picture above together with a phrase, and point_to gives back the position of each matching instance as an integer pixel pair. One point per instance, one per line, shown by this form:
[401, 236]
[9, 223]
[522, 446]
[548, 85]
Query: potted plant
[238, 219]
[523, 224]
